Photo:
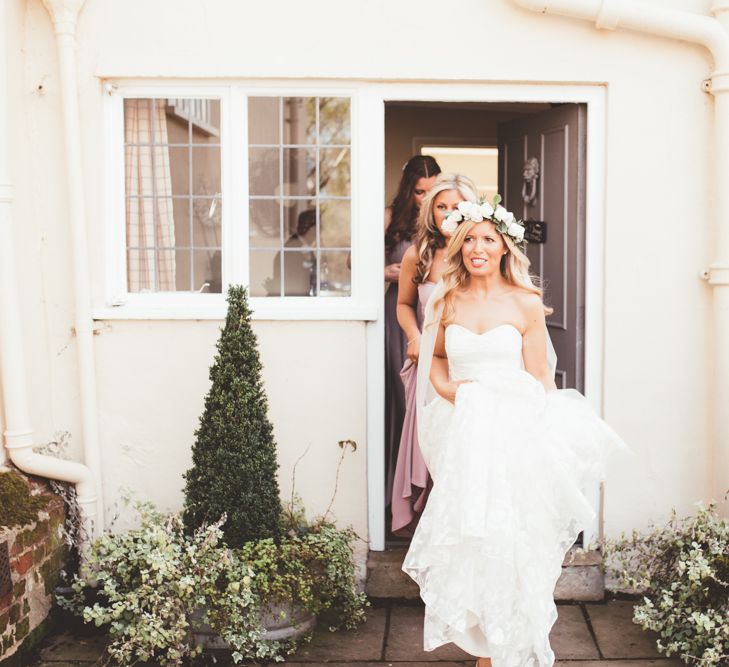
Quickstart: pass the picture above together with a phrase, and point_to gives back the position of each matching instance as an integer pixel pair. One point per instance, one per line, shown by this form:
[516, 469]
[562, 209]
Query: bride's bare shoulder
[529, 303]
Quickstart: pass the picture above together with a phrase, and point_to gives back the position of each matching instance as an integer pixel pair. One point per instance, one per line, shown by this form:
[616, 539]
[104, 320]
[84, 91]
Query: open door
[554, 142]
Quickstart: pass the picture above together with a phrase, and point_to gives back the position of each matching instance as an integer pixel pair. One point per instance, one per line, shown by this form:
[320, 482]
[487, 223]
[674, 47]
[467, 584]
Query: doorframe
[372, 100]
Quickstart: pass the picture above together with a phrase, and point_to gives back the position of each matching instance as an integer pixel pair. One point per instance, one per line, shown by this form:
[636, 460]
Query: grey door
[556, 138]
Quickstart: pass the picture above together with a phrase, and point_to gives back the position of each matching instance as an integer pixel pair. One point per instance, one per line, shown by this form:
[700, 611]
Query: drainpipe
[18, 432]
[713, 34]
[64, 14]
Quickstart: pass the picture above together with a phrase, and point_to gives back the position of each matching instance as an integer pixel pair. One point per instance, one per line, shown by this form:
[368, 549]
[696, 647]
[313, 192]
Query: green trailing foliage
[682, 570]
[234, 455]
[152, 586]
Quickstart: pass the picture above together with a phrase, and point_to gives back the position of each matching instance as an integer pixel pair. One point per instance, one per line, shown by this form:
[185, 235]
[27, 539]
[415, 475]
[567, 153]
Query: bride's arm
[534, 350]
[439, 369]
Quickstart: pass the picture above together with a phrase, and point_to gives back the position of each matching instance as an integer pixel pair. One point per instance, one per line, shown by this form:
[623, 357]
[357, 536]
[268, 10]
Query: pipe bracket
[716, 273]
[609, 15]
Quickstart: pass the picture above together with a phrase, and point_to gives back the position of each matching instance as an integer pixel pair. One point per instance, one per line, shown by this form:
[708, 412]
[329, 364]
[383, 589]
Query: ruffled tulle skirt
[510, 464]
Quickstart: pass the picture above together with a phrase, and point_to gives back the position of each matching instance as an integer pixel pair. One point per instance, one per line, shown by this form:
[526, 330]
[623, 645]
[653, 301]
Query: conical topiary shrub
[234, 455]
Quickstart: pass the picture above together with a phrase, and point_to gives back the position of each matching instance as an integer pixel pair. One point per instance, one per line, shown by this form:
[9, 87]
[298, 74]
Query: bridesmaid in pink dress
[422, 267]
[419, 173]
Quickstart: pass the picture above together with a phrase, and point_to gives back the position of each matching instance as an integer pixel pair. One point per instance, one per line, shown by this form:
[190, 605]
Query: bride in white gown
[510, 455]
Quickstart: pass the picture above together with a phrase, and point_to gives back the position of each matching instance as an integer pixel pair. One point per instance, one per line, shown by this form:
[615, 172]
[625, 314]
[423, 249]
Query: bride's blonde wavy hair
[514, 268]
[428, 238]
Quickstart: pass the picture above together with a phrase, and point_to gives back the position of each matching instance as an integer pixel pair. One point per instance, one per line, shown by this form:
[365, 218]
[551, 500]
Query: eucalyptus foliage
[682, 569]
[234, 454]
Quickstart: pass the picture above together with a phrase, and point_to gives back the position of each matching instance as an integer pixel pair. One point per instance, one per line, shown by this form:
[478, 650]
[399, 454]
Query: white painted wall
[152, 376]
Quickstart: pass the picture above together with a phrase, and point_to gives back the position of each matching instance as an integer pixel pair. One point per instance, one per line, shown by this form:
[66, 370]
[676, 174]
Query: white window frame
[119, 303]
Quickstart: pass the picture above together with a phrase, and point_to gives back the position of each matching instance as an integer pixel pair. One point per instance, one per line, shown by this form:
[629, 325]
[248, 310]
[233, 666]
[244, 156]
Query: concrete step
[581, 580]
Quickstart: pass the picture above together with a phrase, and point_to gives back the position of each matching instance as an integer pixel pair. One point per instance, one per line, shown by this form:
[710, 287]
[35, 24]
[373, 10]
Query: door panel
[557, 139]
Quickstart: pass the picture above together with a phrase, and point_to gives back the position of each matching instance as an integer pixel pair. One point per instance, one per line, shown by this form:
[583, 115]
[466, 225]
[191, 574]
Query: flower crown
[482, 210]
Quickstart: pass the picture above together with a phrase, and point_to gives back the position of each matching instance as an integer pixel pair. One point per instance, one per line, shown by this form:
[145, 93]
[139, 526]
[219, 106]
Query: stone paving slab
[620, 663]
[617, 636]
[470, 663]
[392, 636]
[405, 639]
[364, 644]
[570, 637]
[66, 646]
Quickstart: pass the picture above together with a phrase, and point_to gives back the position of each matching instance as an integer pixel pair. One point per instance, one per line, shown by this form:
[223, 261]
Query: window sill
[215, 309]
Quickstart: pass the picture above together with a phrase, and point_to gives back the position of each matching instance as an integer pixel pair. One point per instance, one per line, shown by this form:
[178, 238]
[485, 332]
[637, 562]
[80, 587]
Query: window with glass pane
[173, 198]
[299, 196]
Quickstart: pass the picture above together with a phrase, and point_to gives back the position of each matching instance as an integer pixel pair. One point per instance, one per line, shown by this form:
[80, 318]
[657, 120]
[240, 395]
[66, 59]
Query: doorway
[497, 144]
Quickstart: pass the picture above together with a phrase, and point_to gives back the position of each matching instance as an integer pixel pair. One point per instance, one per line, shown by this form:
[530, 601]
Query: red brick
[17, 548]
[22, 564]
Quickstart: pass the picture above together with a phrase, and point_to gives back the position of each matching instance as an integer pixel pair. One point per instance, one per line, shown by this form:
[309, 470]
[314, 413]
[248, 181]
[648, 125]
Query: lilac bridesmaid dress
[412, 482]
[395, 347]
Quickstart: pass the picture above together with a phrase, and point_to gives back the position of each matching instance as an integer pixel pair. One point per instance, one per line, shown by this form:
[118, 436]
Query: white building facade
[176, 147]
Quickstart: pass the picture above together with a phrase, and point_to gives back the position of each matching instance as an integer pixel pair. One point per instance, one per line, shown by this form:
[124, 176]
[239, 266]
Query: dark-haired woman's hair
[404, 210]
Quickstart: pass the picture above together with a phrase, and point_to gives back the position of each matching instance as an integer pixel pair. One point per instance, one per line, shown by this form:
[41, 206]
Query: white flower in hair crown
[482, 210]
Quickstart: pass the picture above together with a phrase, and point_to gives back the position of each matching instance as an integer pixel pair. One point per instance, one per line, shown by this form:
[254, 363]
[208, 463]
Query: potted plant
[233, 570]
[234, 472]
[681, 570]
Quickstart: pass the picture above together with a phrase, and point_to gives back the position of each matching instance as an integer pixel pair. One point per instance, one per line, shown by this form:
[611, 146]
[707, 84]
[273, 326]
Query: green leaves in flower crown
[496, 200]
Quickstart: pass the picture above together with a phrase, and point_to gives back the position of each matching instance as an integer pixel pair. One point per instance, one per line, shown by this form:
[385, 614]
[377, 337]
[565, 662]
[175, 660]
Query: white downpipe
[18, 432]
[64, 14]
[712, 33]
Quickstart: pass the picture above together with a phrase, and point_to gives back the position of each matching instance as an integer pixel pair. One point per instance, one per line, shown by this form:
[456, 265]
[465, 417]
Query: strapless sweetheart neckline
[488, 331]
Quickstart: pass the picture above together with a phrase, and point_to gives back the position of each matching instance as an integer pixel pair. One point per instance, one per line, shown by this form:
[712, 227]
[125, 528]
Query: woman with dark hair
[401, 216]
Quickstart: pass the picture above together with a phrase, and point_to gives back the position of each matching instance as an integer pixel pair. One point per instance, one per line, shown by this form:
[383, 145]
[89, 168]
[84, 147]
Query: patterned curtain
[149, 217]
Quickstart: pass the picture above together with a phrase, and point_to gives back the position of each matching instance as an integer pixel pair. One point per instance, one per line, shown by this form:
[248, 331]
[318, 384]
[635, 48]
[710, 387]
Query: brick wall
[37, 554]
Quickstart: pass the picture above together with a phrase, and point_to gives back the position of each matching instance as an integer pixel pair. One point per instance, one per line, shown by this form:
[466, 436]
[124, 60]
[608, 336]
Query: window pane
[310, 170]
[265, 273]
[300, 221]
[171, 154]
[334, 172]
[299, 273]
[335, 273]
[207, 222]
[179, 169]
[206, 170]
[335, 223]
[264, 120]
[334, 120]
[265, 223]
[299, 171]
[183, 262]
[193, 120]
[264, 174]
[183, 228]
[299, 120]
[206, 270]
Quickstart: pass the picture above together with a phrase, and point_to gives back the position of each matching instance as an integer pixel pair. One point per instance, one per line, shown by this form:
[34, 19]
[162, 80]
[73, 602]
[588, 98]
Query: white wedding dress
[510, 465]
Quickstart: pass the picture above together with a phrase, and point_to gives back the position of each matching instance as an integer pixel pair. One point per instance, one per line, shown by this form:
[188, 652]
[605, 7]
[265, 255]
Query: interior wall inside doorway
[409, 125]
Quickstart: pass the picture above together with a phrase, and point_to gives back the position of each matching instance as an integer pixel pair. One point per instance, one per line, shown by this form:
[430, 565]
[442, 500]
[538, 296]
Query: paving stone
[70, 648]
[365, 643]
[621, 663]
[405, 638]
[385, 578]
[470, 663]
[570, 637]
[617, 636]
